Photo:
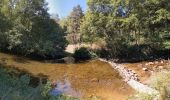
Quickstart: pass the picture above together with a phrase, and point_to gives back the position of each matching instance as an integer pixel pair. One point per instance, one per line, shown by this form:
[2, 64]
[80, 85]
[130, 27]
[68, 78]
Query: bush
[82, 54]
[103, 53]
[17, 88]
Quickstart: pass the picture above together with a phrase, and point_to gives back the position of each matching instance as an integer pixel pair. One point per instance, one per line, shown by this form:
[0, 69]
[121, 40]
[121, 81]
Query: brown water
[92, 78]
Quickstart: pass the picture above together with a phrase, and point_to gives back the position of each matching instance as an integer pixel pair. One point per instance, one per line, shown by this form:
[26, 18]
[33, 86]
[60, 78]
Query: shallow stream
[83, 80]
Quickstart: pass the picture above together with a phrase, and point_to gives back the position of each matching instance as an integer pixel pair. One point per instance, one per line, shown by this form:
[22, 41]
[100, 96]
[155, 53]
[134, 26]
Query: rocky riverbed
[132, 79]
[127, 74]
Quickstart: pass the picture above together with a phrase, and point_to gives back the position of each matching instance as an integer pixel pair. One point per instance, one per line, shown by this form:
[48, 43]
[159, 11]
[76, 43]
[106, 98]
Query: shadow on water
[20, 60]
[34, 80]
[61, 87]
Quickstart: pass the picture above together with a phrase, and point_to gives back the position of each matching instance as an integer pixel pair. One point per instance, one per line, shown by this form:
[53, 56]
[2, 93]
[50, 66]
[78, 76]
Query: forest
[123, 31]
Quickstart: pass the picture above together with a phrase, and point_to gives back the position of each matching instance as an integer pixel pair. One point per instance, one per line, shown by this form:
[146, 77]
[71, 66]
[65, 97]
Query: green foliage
[167, 44]
[46, 94]
[103, 53]
[17, 88]
[28, 29]
[92, 27]
[46, 90]
[82, 54]
[143, 23]
[73, 25]
[62, 97]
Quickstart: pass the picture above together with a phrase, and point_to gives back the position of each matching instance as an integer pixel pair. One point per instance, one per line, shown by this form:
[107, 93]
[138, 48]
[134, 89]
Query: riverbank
[133, 80]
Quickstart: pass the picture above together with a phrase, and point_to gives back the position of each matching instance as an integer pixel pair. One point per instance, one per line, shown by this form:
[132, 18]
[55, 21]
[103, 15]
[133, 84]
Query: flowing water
[83, 80]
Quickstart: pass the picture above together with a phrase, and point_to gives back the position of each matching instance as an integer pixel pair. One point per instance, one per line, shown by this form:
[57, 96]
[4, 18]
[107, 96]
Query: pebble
[94, 80]
[160, 67]
[125, 73]
[145, 69]
[146, 64]
[156, 62]
[162, 62]
[132, 79]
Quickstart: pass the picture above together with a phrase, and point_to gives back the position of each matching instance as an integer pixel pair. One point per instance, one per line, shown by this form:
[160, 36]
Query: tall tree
[55, 17]
[123, 23]
[74, 21]
[5, 25]
[33, 31]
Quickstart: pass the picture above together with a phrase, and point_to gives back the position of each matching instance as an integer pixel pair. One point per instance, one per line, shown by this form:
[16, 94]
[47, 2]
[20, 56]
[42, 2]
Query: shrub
[82, 54]
[17, 88]
[103, 53]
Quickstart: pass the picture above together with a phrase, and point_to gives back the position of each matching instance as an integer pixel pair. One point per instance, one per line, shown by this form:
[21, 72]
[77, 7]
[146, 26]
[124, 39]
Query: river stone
[156, 62]
[145, 69]
[146, 64]
[162, 61]
[150, 63]
[94, 80]
[160, 67]
[134, 83]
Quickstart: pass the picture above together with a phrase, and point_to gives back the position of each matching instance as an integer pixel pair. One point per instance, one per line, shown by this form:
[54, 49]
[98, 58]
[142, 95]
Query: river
[82, 80]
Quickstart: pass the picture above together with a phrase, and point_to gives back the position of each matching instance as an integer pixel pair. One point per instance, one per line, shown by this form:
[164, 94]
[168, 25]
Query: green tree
[74, 21]
[124, 23]
[33, 31]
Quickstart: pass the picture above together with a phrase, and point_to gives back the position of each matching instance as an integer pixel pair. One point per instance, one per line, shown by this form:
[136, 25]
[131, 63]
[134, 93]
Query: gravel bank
[132, 79]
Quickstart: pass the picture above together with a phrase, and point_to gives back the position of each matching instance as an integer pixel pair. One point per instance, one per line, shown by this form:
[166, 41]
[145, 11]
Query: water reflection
[82, 80]
[64, 87]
